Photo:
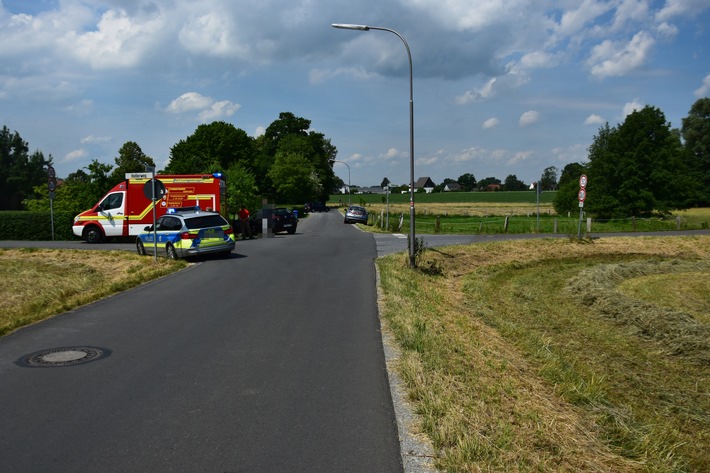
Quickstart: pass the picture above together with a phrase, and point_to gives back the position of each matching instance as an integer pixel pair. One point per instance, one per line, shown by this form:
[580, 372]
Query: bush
[35, 226]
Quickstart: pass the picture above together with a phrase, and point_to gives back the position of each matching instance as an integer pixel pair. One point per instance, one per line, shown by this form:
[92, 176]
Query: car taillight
[188, 236]
[228, 231]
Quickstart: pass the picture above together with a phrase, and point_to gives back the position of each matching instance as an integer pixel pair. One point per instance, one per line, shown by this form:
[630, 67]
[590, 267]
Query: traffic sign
[50, 172]
[154, 189]
[583, 181]
[582, 195]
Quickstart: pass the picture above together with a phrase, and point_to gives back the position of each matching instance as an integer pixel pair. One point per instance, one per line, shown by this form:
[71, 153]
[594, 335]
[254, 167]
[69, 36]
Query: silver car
[356, 214]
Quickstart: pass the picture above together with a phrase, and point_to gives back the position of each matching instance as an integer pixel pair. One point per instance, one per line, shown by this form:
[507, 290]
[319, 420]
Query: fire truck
[127, 208]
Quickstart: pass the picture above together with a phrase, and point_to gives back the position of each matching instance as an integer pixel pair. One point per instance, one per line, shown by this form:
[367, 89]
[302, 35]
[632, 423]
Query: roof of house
[424, 182]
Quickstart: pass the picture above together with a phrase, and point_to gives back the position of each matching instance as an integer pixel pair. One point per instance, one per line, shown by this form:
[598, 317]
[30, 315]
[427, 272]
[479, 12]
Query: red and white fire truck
[126, 210]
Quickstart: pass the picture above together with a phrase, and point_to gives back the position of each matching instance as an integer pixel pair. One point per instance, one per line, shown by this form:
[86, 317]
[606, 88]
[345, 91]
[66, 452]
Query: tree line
[289, 163]
[643, 166]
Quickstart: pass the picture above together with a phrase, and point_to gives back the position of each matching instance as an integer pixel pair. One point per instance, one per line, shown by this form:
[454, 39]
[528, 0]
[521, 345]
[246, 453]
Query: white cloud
[119, 41]
[223, 108]
[490, 123]
[95, 139]
[260, 130]
[675, 8]
[208, 107]
[704, 89]
[631, 107]
[474, 95]
[616, 58]
[75, 155]
[189, 101]
[529, 117]
[594, 120]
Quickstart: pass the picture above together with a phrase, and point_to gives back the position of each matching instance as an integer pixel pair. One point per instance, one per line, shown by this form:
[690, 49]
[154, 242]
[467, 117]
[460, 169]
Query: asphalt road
[269, 361]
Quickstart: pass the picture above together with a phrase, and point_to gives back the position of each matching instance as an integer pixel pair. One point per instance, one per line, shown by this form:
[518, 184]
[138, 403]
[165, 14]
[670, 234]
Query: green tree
[294, 178]
[131, 158]
[512, 183]
[20, 171]
[78, 192]
[548, 181]
[290, 135]
[637, 168]
[567, 198]
[696, 134]
[242, 191]
[385, 182]
[211, 147]
[488, 181]
[467, 181]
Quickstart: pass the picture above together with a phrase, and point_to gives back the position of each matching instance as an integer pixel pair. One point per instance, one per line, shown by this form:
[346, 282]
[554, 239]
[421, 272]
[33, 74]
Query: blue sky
[500, 87]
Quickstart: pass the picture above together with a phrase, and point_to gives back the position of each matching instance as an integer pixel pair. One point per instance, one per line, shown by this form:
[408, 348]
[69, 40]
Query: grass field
[486, 212]
[554, 355]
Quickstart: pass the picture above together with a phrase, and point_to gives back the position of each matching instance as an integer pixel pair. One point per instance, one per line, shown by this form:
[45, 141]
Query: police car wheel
[140, 248]
[170, 252]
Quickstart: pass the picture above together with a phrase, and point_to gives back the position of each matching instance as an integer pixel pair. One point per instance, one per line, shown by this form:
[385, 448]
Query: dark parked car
[283, 220]
[315, 207]
[356, 214]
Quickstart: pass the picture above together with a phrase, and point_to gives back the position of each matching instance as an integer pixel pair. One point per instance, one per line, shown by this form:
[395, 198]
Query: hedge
[36, 226]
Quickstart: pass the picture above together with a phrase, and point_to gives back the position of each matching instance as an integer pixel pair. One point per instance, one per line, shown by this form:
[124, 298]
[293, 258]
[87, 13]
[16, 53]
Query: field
[557, 355]
[504, 212]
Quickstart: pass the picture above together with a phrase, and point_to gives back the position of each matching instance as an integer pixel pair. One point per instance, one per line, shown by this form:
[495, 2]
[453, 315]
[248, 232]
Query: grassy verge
[551, 355]
[491, 219]
[38, 283]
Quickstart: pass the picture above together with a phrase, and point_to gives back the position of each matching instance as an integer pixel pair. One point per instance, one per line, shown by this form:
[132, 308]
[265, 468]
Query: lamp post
[336, 161]
[412, 260]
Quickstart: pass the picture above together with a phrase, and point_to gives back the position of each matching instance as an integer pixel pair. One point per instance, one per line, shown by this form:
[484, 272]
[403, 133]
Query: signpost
[51, 187]
[581, 196]
[153, 189]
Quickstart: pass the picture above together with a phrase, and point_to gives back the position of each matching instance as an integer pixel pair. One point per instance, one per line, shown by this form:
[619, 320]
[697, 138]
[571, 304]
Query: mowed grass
[555, 355]
[38, 283]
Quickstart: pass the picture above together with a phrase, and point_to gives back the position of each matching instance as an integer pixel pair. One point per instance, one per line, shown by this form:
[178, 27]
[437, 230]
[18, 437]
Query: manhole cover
[63, 356]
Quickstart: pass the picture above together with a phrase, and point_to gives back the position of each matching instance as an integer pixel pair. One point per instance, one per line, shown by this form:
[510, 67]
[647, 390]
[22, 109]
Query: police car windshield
[205, 221]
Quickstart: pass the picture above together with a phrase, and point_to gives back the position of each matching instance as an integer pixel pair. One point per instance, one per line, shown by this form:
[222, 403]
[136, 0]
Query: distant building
[452, 186]
[425, 183]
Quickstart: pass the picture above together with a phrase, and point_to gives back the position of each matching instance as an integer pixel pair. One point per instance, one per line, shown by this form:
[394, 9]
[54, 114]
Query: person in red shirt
[244, 219]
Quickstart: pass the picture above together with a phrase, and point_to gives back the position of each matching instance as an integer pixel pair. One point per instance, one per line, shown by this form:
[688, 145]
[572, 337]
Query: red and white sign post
[581, 195]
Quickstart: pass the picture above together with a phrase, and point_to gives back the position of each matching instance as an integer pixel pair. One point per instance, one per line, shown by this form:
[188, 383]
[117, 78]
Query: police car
[187, 232]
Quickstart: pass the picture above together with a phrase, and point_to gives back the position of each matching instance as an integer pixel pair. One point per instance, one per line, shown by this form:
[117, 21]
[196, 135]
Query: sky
[500, 87]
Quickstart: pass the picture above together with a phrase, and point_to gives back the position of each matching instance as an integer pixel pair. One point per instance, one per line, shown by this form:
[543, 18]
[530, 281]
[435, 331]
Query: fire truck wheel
[93, 234]
[170, 251]
[139, 247]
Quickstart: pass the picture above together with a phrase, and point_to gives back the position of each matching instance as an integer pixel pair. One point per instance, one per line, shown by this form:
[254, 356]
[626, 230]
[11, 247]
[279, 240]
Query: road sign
[583, 181]
[154, 189]
[582, 195]
[139, 175]
[51, 173]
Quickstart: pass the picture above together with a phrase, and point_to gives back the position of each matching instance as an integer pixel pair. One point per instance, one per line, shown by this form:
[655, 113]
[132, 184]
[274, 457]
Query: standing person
[244, 219]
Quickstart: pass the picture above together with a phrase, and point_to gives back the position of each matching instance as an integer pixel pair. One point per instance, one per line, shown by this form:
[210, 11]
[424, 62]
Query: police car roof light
[172, 210]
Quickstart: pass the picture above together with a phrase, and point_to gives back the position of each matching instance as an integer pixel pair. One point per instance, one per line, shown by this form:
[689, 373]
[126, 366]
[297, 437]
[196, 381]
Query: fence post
[505, 225]
[554, 227]
[589, 225]
[677, 222]
[437, 228]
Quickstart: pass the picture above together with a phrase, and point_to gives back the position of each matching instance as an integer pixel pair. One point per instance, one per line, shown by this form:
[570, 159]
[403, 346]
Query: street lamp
[336, 161]
[412, 260]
